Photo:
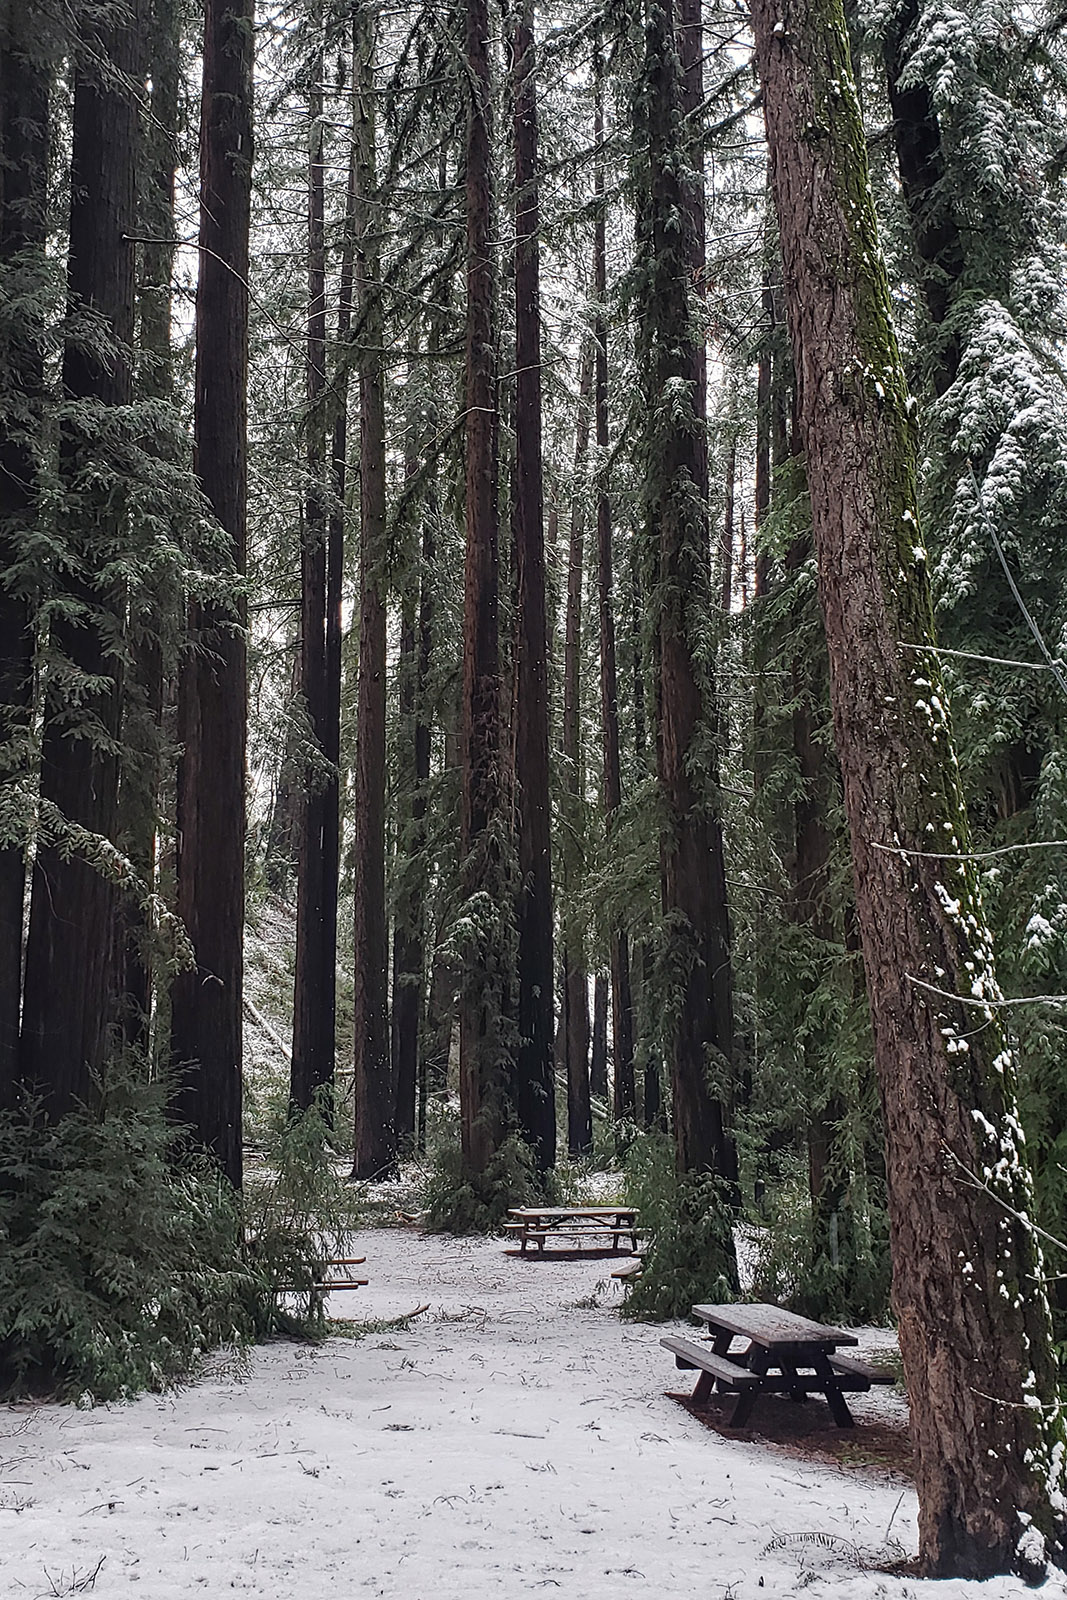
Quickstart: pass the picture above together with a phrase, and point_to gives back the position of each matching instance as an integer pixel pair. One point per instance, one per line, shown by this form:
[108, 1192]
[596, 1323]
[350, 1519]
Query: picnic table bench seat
[629, 1269]
[728, 1374]
[328, 1284]
[855, 1367]
[322, 1282]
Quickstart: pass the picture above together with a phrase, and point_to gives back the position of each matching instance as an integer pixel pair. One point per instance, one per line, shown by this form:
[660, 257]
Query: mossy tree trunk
[968, 1280]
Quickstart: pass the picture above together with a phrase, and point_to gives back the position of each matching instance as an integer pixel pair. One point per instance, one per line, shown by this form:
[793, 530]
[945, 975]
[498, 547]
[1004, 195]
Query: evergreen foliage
[299, 1211]
[122, 1258]
[686, 1262]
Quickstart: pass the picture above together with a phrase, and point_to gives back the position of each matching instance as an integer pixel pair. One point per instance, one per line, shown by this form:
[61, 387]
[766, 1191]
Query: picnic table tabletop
[770, 1326]
[529, 1213]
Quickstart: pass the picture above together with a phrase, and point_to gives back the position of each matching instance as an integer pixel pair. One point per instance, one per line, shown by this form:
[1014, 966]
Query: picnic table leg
[702, 1392]
[834, 1397]
[797, 1393]
[758, 1362]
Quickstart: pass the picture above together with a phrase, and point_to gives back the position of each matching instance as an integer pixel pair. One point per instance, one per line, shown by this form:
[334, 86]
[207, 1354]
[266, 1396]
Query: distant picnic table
[785, 1354]
[583, 1224]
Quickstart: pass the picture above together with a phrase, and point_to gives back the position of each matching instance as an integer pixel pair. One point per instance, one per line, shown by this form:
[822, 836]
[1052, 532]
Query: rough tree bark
[484, 1112]
[315, 979]
[622, 1010]
[534, 1077]
[375, 1134]
[409, 937]
[692, 859]
[968, 1281]
[206, 1035]
[71, 949]
[146, 758]
[574, 1019]
[598, 1051]
[25, 83]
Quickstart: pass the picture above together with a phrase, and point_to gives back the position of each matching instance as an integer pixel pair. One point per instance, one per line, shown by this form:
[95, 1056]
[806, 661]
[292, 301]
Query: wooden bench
[329, 1284]
[713, 1369]
[853, 1367]
[629, 1269]
[322, 1284]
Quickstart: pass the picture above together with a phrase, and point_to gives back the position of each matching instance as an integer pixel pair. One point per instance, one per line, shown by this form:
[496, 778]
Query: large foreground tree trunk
[968, 1282]
[70, 956]
[206, 1032]
[24, 142]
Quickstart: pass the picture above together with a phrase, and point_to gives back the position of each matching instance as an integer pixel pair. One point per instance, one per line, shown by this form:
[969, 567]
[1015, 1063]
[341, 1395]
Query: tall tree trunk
[575, 1016]
[935, 232]
[535, 1103]
[375, 1137]
[315, 985]
[484, 1111]
[145, 754]
[206, 1037]
[598, 1053]
[975, 1330]
[70, 956]
[622, 1011]
[410, 936]
[833, 1238]
[693, 867]
[407, 981]
[25, 83]
[335, 564]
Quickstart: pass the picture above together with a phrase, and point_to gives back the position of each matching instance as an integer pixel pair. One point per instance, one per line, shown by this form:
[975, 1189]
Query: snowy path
[509, 1443]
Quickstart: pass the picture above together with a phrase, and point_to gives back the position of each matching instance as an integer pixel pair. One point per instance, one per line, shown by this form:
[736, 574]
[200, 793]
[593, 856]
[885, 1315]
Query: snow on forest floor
[516, 1439]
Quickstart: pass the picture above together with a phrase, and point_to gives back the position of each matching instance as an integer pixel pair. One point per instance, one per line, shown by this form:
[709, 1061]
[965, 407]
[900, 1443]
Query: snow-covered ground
[515, 1439]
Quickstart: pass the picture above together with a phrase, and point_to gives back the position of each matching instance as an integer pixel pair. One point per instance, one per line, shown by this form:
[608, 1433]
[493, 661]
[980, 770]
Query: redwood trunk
[535, 1082]
[410, 938]
[598, 1054]
[70, 956]
[692, 857]
[968, 1288]
[483, 1100]
[314, 990]
[622, 1010]
[146, 757]
[206, 1035]
[375, 1135]
[24, 143]
[575, 1017]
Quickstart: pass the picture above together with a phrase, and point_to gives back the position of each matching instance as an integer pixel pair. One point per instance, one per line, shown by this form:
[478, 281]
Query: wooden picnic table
[785, 1354]
[536, 1224]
